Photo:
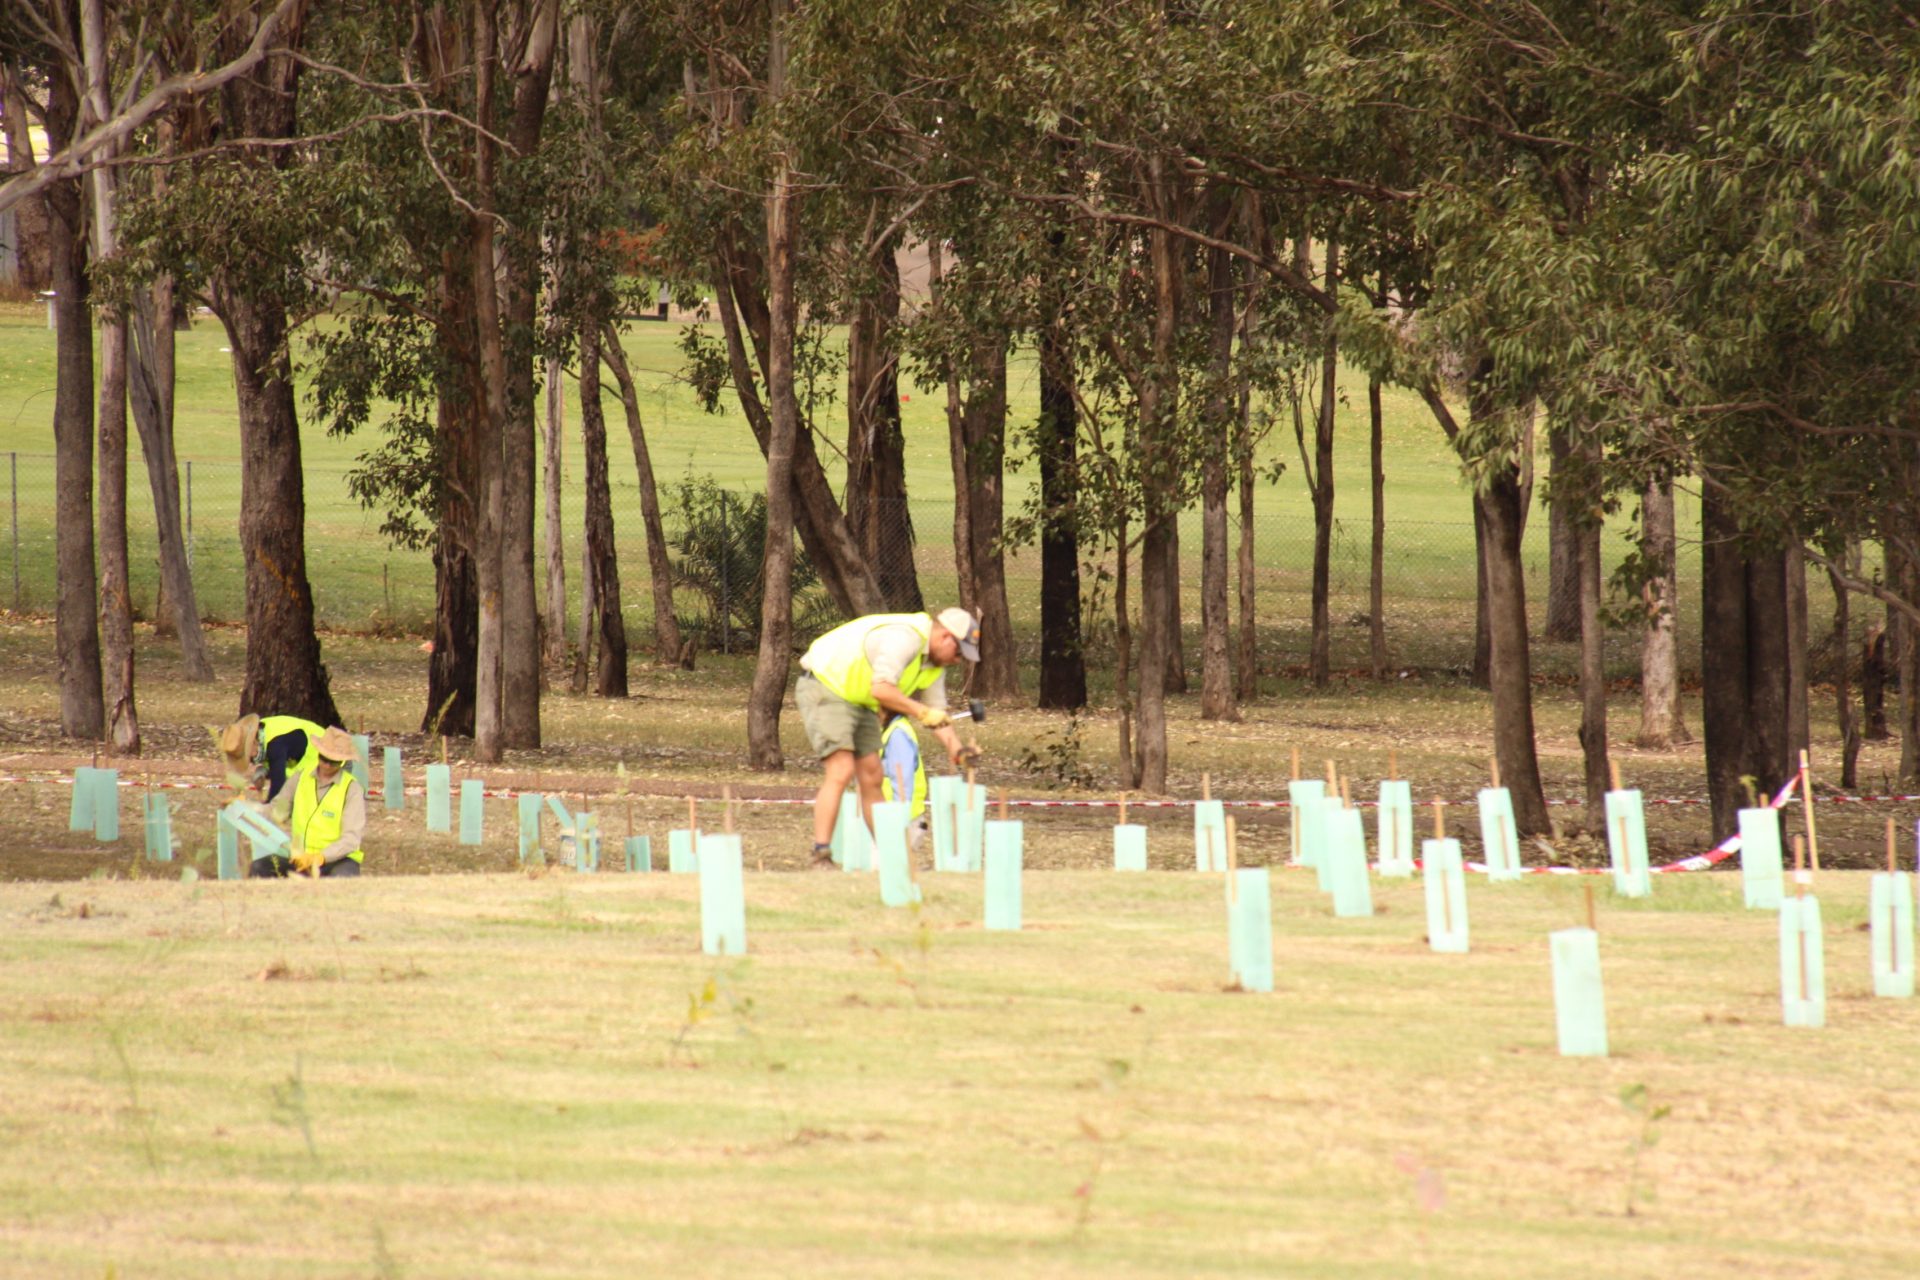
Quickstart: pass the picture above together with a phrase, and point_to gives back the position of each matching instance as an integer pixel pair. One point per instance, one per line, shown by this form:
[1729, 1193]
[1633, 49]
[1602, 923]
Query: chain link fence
[362, 583]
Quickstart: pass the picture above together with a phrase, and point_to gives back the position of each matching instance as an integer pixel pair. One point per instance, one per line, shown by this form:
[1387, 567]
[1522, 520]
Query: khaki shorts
[834, 724]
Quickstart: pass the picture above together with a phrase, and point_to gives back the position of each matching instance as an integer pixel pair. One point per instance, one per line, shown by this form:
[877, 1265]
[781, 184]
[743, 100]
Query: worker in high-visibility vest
[903, 775]
[324, 810]
[264, 750]
[895, 661]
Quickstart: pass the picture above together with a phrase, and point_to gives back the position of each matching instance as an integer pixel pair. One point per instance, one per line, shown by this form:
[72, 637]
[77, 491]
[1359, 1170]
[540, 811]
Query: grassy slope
[357, 577]
[389, 1078]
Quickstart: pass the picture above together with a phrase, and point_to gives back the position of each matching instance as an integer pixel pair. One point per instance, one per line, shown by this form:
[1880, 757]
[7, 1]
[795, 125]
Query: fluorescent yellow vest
[838, 659]
[900, 724]
[317, 822]
[272, 727]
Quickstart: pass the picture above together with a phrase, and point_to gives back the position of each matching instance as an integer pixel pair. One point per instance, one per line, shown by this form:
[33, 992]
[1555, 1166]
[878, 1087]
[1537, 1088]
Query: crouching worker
[893, 660]
[324, 809]
[263, 752]
[902, 774]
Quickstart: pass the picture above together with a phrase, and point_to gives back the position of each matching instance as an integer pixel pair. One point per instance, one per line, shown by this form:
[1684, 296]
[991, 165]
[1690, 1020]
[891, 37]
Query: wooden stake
[1333, 776]
[1806, 799]
[969, 788]
[1346, 793]
[726, 814]
[1206, 786]
[1800, 891]
[443, 748]
[1893, 863]
[1590, 920]
[1493, 768]
[1626, 848]
[1003, 804]
[1123, 808]
[1295, 775]
[1613, 773]
[1439, 819]
[693, 819]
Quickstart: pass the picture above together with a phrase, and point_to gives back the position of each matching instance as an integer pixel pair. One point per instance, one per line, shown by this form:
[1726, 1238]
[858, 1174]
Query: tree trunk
[1593, 673]
[490, 409]
[610, 629]
[151, 384]
[583, 653]
[956, 456]
[666, 627]
[1063, 664]
[76, 624]
[1176, 633]
[32, 225]
[1377, 561]
[1873, 683]
[1158, 407]
[1661, 727]
[876, 489]
[985, 422]
[1907, 663]
[1843, 682]
[1123, 658]
[1320, 658]
[1481, 675]
[552, 436]
[1743, 641]
[776, 590]
[1246, 671]
[1799, 726]
[454, 667]
[1216, 667]
[1564, 548]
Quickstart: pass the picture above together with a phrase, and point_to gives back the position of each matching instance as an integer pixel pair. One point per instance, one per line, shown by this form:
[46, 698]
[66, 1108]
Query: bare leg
[836, 772]
[867, 770]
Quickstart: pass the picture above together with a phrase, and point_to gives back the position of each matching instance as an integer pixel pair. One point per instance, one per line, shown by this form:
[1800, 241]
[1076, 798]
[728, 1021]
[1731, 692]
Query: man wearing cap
[267, 750]
[895, 661]
[324, 809]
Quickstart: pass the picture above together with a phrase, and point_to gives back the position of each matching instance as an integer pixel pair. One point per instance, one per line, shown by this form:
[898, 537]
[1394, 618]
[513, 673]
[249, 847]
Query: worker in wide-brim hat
[891, 661]
[324, 810]
[264, 750]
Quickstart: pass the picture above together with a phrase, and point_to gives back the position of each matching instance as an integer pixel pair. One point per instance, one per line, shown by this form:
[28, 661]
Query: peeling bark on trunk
[876, 490]
[553, 613]
[666, 627]
[1063, 665]
[1216, 667]
[610, 631]
[1661, 727]
[489, 398]
[76, 624]
[1158, 405]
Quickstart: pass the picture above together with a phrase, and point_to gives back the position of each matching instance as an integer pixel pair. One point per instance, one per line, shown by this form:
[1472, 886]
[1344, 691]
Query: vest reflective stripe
[901, 724]
[317, 822]
[272, 727]
[839, 661]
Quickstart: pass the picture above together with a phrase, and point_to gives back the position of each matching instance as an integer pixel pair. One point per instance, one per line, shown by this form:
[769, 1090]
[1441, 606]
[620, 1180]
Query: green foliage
[718, 538]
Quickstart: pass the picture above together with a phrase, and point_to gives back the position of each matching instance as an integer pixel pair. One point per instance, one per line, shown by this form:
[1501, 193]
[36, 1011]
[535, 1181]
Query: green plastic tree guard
[106, 805]
[472, 810]
[527, 806]
[1446, 883]
[80, 805]
[1209, 836]
[1760, 875]
[158, 825]
[1627, 844]
[1498, 834]
[1004, 852]
[1346, 856]
[1327, 831]
[639, 850]
[361, 766]
[1579, 998]
[1803, 963]
[970, 835]
[681, 859]
[439, 797]
[723, 895]
[853, 843]
[1129, 847]
[226, 848]
[1250, 929]
[392, 789]
[1890, 907]
[943, 814]
[569, 835]
[1393, 828]
[586, 835]
[1303, 802]
[897, 888]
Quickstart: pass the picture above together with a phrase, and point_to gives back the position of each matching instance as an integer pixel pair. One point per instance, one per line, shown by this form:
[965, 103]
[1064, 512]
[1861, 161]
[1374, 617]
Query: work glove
[935, 717]
[307, 863]
[968, 755]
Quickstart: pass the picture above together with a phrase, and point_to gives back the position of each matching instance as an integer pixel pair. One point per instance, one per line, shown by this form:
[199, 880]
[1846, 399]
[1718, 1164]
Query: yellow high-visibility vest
[272, 727]
[839, 661]
[316, 820]
[900, 724]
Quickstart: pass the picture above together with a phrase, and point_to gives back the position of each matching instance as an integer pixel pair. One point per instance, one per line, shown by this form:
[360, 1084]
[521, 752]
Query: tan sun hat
[336, 744]
[965, 629]
[237, 742]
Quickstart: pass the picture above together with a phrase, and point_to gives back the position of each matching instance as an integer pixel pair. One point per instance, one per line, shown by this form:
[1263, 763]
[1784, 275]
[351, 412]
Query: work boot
[822, 859]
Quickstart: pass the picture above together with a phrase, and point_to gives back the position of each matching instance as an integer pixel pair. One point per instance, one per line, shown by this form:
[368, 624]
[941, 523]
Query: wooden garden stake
[726, 814]
[1439, 819]
[1893, 859]
[1333, 776]
[1123, 808]
[1003, 804]
[693, 818]
[1613, 773]
[1206, 786]
[443, 748]
[1346, 793]
[1806, 799]
[1493, 769]
[1295, 775]
[1800, 878]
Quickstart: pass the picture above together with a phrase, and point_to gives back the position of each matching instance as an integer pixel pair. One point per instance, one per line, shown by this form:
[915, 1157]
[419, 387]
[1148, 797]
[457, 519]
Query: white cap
[965, 629]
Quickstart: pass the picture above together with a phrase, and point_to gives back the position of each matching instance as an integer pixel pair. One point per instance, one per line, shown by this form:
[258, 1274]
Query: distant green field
[359, 580]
